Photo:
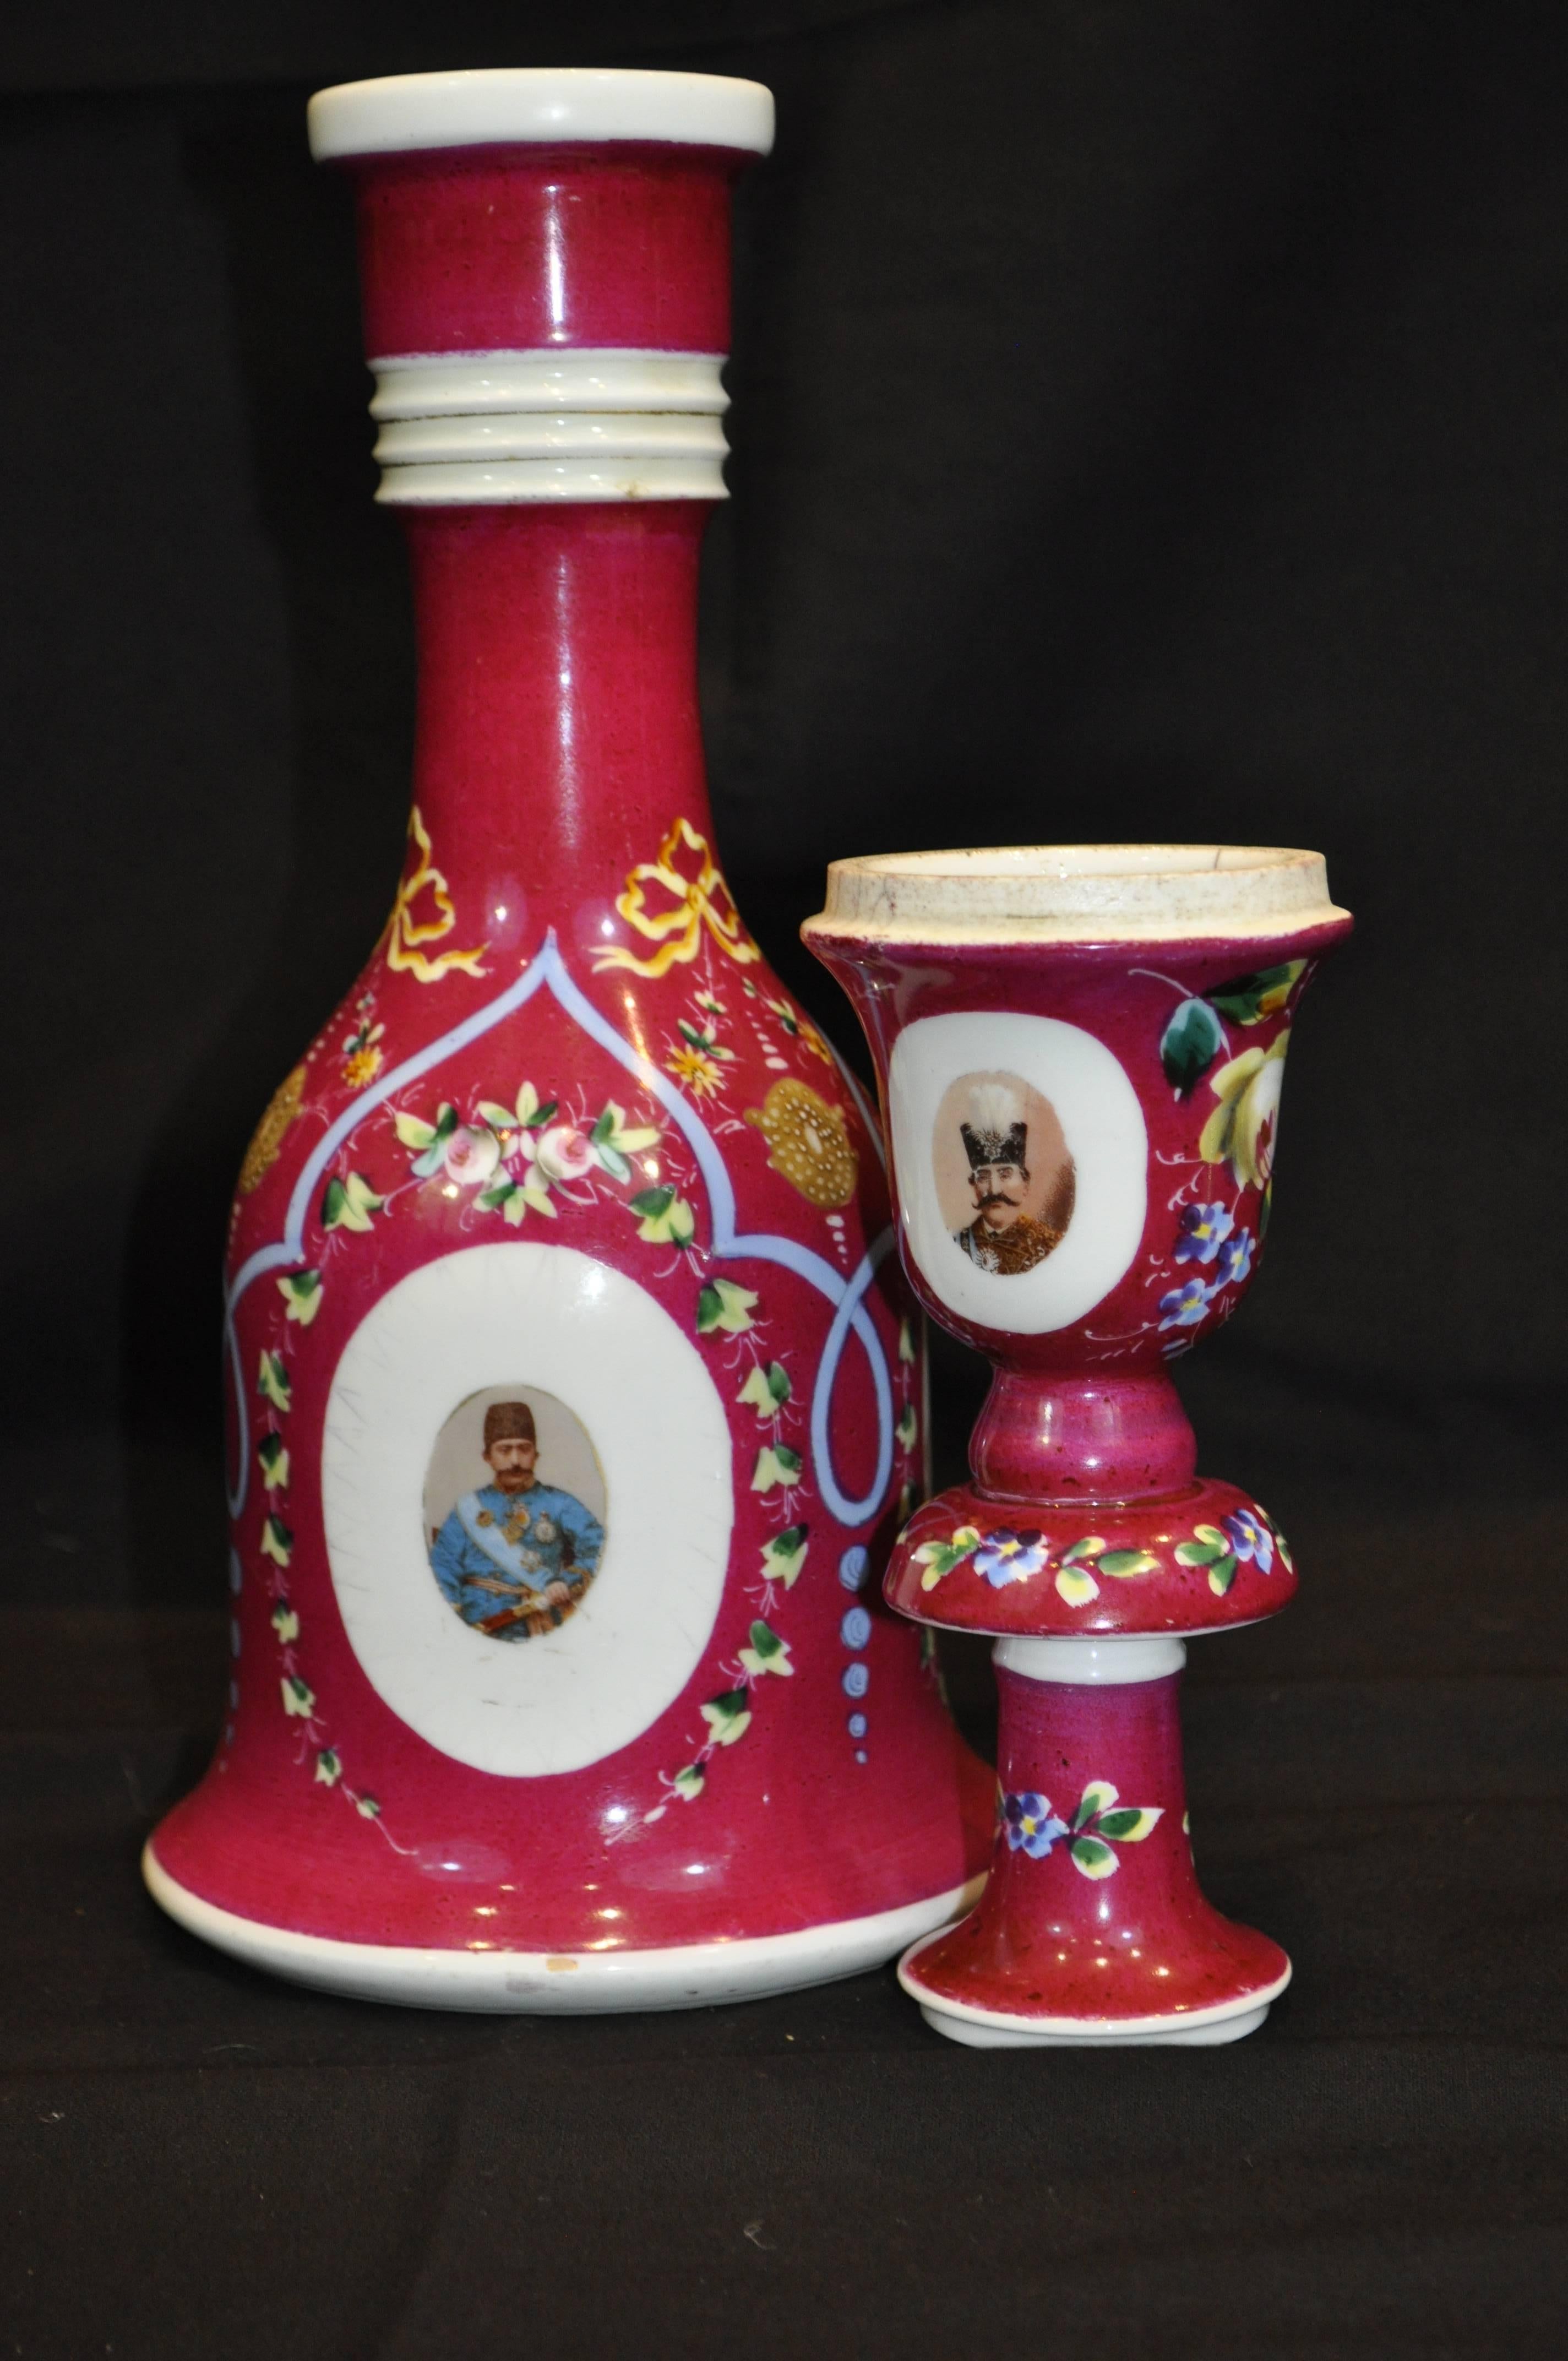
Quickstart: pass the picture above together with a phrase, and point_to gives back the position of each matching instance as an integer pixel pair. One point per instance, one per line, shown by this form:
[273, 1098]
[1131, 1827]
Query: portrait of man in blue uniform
[515, 1558]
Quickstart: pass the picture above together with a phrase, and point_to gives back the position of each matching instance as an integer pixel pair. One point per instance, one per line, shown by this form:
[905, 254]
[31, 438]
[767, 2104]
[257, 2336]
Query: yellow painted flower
[697, 1069]
[362, 1067]
[1243, 1128]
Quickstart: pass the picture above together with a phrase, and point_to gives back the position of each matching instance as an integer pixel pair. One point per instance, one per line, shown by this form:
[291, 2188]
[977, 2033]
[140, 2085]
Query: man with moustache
[1003, 1237]
[515, 1558]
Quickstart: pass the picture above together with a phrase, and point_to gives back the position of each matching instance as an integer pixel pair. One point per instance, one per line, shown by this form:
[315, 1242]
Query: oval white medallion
[499, 1315]
[969, 1086]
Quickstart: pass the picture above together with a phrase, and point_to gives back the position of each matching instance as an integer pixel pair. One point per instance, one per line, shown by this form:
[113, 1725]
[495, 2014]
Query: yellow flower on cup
[1243, 1128]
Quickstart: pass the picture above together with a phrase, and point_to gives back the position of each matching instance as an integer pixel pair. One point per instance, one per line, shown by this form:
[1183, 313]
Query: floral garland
[536, 1157]
[1100, 1824]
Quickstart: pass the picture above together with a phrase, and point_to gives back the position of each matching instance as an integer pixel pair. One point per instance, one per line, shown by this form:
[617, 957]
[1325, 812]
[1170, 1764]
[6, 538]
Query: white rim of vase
[686, 1975]
[1074, 893]
[590, 424]
[509, 105]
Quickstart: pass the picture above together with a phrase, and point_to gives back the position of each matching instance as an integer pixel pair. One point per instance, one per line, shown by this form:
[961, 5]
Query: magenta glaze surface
[1087, 1415]
[1092, 1911]
[565, 999]
[501, 249]
[1085, 1520]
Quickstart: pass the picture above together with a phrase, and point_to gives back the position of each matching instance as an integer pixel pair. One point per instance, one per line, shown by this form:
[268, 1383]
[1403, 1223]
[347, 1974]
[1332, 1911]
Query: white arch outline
[548, 969]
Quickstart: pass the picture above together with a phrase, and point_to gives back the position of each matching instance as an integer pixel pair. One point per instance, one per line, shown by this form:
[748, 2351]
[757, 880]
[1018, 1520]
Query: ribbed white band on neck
[547, 426]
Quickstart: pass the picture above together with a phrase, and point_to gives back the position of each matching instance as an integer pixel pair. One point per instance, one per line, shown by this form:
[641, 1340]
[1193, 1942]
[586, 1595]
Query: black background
[1149, 422]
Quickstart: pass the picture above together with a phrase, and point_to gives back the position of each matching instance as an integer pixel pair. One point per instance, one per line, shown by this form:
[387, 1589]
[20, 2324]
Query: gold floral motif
[699, 899]
[807, 1143]
[405, 932]
[281, 1109]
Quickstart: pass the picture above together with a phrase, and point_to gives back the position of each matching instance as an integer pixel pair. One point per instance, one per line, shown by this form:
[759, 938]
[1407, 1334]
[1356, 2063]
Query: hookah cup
[574, 1397]
[1080, 1050]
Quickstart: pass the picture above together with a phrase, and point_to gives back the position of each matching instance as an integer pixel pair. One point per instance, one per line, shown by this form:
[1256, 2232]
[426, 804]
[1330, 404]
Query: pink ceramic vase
[574, 1400]
[1080, 1051]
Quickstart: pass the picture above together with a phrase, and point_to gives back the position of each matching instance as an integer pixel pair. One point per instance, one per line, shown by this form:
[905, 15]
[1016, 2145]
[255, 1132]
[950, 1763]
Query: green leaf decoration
[413, 1130]
[496, 1194]
[301, 1294]
[727, 1715]
[1190, 1045]
[721, 1303]
[780, 1388]
[329, 1770]
[1265, 1213]
[1285, 1560]
[908, 1428]
[1207, 1545]
[367, 1807]
[776, 1464]
[1098, 1796]
[1076, 1586]
[349, 1203]
[1221, 1576]
[937, 1559]
[905, 1343]
[276, 1540]
[1123, 1564]
[767, 1652]
[689, 1784]
[612, 1161]
[272, 1452]
[1248, 999]
[499, 1118]
[1090, 1546]
[272, 1379]
[445, 1121]
[665, 1218]
[1128, 1825]
[285, 1622]
[755, 1394]
[784, 1557]
[1094, 1859]
[542, 1114]
[297, 1697]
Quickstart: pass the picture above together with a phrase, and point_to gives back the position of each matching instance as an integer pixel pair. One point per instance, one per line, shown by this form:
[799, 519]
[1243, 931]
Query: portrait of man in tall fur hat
[1004, 1234]
[515, 1558]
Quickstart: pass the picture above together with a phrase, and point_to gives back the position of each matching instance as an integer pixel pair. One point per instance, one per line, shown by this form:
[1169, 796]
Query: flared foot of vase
[696, 1975]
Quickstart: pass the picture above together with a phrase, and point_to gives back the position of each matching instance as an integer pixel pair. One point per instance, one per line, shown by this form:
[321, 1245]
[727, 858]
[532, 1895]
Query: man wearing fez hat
[1002, 1237]
[515, 1558]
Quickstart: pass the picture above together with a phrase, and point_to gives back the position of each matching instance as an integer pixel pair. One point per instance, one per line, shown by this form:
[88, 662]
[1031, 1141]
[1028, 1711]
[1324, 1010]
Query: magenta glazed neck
[619, 244]
[557, 728]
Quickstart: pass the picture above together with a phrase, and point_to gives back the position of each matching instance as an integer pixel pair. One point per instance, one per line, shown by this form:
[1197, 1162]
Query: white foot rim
[983, 2028]
[977, 2036]
[698, 1975]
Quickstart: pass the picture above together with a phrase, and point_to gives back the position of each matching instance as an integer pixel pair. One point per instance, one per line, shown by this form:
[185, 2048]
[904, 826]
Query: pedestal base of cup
[696, 1975]
[979, 2031]
[971, 2003]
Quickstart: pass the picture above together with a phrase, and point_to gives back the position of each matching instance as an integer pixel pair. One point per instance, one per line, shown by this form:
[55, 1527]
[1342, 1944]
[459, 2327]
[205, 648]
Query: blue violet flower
[1032, 1826]
[1235, 1259]
[1249, 1538]
[1202, 1229]
[1004, 1557]
[1185, 1305]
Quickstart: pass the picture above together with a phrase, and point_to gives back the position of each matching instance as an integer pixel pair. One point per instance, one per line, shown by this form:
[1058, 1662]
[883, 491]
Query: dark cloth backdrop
[1150, 421]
